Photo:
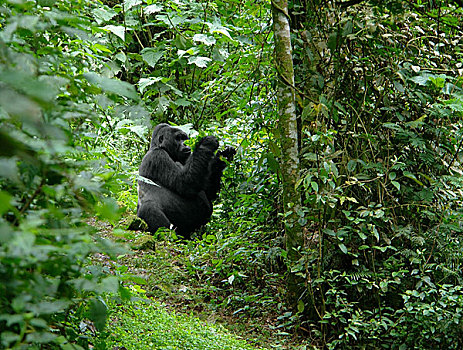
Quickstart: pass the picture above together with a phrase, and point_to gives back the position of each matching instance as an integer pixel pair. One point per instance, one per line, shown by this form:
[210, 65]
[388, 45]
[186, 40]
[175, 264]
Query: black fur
[185, 183]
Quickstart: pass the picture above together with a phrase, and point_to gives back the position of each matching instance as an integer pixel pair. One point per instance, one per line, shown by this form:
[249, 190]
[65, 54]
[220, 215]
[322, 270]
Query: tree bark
[287, 126]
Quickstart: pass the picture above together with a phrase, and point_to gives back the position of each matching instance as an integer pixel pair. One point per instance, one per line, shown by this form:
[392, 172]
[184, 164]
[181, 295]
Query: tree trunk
[287, 125]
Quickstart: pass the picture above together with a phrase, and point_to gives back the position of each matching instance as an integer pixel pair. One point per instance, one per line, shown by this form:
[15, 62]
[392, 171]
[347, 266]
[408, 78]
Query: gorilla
[176, 187]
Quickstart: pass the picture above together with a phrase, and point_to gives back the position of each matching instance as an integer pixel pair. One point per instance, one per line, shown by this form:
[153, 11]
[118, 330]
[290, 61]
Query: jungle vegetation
[339, 224]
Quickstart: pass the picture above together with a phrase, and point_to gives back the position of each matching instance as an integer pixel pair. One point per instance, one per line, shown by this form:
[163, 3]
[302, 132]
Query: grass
[150, 325]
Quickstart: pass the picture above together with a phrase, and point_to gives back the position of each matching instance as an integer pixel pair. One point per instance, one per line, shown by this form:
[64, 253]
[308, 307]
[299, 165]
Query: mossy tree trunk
[287, 125]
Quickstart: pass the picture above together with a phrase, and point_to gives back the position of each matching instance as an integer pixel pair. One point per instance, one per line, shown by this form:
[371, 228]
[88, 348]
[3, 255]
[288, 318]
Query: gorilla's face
[173, 141]
[183, 151]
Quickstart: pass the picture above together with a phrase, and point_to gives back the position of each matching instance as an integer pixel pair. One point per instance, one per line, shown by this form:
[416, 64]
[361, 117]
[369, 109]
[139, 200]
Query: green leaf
[314, 186]
[108, 209]
[128, 4]
[152, 9]
[182, 102]
[422, 79]
[396, 184]
[71, 346]
[438, 81]
[151, 55]
[103, 14]
[124, 293]
[181, 42]
[39, 322]
[139, 130]
[300, 306]
[100, 47]
[272, 162]
[12, 319]
[375, 233]
[114, 86]
[383, 286]
[48, 3]
[231, 279]
[205, 39]
[98, 313]
[351, 165]
[37, 90]
[50, 307]
[413, 177]
[121, 56]
[217, 27]
[172, 21]
[116, 30]
[109, 284]
[199, 61]
[417, 123]
[343, 248]
[347, 29]
[5, 202]
[136, 279]
[332, 41]
[143, 83]
[40, 337]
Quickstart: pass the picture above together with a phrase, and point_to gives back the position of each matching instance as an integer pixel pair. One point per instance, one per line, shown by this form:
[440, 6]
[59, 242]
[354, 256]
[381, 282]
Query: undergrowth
[185, 276]
[142, 325]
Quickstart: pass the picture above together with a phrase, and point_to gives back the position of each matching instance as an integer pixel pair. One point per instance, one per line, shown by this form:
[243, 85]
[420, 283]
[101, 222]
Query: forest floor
[169, 283]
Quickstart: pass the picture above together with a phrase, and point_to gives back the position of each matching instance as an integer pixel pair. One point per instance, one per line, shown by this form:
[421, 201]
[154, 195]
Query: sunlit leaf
[103, 14]
[343, 248]
[116, 30]
[145, 82]
[115, 86]
[217, 27]
[150, 9]
[199, 61]
[205, 39]
[128, 4]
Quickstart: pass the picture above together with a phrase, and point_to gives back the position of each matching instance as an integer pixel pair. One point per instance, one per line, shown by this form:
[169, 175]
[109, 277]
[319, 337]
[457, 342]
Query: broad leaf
[114, 86]
[128, 4]
[151, 55]
[103, 14]
[116, 30]
[152, 9]
[217, 27]
[145, 82]
[199, 61]
[205, 39]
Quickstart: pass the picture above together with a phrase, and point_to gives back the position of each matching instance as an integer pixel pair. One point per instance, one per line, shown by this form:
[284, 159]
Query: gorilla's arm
[186, 180]
[217, 167]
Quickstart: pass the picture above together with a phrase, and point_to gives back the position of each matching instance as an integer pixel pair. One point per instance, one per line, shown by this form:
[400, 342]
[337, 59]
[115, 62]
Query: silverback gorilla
[176, 187]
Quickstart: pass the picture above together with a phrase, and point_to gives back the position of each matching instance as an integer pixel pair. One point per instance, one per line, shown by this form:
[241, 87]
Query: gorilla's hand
[228, 153]
[208, 142]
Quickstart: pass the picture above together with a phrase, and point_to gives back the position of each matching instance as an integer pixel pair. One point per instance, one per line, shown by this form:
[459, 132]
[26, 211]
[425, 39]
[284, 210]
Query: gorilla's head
[171, 140]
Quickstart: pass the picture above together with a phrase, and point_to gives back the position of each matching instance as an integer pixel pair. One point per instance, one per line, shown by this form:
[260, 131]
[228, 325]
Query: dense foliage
[379, 93]
[50, 180]
[381, 152]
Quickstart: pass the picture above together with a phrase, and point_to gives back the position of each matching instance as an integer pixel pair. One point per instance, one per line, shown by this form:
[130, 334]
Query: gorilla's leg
[154, 217]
